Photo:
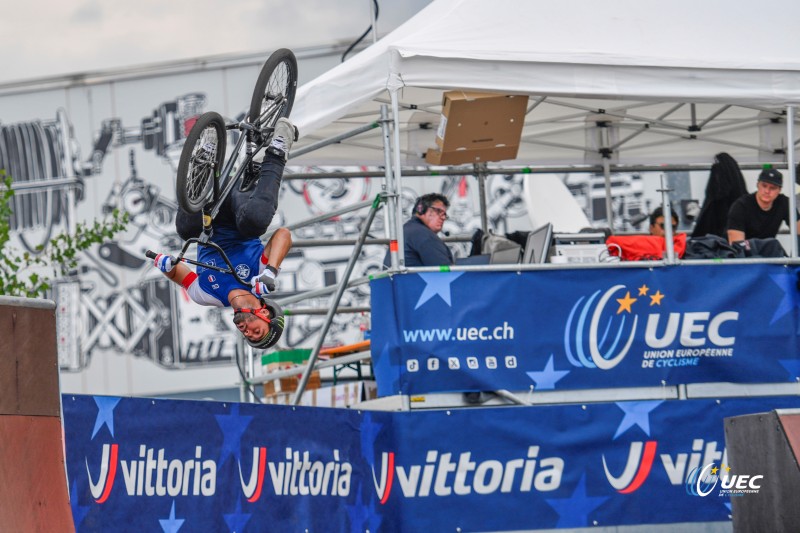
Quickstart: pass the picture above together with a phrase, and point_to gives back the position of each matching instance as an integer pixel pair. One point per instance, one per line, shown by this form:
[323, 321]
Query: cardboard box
[478, 127]
[282, 360]
[341, 395]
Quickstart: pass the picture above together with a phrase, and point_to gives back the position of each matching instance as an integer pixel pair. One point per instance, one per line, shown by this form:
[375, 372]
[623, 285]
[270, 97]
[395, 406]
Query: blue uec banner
[137, 464]
[578, 329]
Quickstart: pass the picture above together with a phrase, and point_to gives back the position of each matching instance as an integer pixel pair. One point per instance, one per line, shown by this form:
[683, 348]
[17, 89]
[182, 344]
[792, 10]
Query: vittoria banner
[159, 465]
[577, 329]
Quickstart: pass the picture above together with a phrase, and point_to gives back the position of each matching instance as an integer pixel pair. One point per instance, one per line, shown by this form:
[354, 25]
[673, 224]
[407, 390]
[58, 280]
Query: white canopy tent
[678, 81]
[612, 83]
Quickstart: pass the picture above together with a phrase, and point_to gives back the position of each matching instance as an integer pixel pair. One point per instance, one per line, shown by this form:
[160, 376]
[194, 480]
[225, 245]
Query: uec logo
[597, 336]
[702, 482]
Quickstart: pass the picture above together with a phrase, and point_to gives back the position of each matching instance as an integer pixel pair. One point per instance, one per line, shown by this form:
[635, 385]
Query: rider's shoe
[284, 135]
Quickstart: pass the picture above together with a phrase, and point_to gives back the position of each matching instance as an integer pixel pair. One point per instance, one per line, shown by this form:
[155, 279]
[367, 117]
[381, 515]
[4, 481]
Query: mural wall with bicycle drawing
[123, 328]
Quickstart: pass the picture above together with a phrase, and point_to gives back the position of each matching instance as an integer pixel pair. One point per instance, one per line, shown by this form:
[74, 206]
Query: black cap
[770, 175]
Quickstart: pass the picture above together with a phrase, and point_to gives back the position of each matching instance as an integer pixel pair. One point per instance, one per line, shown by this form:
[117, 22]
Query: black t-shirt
[745, 215]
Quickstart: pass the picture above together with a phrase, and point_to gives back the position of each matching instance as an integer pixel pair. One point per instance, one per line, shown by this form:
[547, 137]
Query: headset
[424, 202]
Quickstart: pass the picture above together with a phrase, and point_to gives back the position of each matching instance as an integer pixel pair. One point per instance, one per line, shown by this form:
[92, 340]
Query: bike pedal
[250, 177]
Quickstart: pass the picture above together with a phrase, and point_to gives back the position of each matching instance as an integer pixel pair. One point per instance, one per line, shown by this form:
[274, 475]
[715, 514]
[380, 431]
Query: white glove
[262, 285]
[165, 263]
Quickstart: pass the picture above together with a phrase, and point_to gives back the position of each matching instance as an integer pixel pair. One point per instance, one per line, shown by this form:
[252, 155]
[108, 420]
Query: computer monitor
[537, 247]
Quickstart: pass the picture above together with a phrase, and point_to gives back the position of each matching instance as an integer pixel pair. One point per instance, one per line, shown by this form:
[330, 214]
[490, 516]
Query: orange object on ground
[644, 247]
[345, 350]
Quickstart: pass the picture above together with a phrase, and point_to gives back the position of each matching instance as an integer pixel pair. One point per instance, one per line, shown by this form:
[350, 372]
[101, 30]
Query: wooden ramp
[33, 493]
[766, 445]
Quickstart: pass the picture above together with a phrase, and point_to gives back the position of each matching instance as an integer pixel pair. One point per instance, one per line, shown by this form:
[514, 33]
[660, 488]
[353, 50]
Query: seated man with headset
[422, 245]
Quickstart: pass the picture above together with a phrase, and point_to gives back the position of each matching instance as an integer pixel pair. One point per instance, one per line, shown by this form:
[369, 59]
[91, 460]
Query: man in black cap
[759, 215]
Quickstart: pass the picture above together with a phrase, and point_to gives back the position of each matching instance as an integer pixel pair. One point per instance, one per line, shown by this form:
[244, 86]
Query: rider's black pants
[250, 212]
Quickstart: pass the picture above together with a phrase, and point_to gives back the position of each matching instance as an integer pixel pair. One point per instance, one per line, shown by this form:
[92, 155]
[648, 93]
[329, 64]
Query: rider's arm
[182, 275]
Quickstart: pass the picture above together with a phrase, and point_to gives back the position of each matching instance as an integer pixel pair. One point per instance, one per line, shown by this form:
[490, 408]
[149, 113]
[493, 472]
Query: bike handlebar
[229, 270]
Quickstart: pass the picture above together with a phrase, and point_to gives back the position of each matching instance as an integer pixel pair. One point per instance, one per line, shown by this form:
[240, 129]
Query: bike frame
[211, 209]
[247, 130]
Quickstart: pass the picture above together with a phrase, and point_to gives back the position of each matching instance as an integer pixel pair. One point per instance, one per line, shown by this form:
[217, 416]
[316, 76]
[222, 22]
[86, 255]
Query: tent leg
[792, 189]
[667, 207]
[480, 173]
[251, 371]
[398, 181]
[609, 199]
[390, 189]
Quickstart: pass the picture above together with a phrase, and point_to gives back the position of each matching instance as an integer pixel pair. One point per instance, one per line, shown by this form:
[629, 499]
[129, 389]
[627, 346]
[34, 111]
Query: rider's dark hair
[425, 201]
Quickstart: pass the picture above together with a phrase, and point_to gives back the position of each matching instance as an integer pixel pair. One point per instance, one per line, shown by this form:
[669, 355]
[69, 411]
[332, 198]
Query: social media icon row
[455, 363]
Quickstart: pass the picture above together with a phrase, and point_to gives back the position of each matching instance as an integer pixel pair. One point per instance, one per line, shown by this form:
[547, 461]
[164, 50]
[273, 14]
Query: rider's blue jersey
[244, 254]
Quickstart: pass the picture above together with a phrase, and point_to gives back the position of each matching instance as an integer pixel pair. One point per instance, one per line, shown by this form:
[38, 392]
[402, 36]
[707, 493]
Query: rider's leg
[254, 209]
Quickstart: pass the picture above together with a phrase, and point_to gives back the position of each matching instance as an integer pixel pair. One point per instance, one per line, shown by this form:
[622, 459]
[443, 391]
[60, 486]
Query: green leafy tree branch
[24, 274]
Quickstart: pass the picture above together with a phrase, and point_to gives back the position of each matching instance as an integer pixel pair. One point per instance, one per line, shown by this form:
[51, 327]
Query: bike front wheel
[201, 161]
[273, 96]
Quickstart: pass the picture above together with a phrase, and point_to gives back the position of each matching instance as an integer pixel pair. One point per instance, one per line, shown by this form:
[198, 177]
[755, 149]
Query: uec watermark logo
[702, 482]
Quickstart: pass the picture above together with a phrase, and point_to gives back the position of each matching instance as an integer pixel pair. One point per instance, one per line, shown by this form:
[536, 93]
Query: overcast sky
[42, 38]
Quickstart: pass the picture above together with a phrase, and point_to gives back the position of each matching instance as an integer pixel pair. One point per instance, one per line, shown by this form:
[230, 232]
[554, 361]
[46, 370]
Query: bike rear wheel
[273, 95]
[201, 161]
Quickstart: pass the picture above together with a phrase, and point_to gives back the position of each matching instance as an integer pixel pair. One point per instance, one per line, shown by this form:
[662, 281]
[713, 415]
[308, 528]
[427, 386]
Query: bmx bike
[203, 182]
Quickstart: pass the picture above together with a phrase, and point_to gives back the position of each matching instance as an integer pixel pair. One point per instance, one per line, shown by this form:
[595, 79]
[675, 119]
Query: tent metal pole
[333, 140]
[299, 297]
[667, 209]
[390, 189]
[480, 173]
[251, 371]
[322, 218]
[334, 305]
[243, 388]
[324, 310]
[460, 171]
[307, 243]
[792, 189]
[398, 179]
[609, 202]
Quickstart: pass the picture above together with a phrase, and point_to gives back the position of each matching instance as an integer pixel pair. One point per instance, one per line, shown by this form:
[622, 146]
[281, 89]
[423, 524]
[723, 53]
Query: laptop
[482, 259]
[505, 256]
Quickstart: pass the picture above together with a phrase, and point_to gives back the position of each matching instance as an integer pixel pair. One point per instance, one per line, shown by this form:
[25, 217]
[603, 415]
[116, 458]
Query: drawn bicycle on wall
[44, 161]
[39, 157]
